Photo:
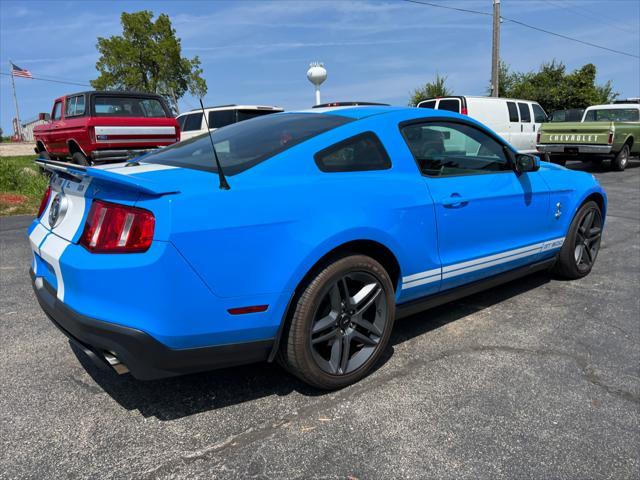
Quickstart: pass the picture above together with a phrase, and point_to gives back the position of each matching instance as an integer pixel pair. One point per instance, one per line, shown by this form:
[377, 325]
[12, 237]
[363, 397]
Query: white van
[192, 123]
[517, 121]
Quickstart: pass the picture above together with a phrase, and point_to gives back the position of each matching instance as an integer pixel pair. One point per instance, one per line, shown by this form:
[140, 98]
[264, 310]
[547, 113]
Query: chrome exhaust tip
[115, 363]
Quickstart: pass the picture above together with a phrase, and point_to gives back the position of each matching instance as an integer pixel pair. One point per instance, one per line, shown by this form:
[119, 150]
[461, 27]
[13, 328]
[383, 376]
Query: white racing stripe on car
[422, 281]
[142, 168]
[420, 275]
[462, 268]
[37, 236]
[35, 239]
[116, 130]
[51, 250]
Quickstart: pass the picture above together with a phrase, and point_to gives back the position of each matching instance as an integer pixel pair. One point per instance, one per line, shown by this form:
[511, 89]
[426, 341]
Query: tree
[434, 89]
[555, 89]
[147, 57]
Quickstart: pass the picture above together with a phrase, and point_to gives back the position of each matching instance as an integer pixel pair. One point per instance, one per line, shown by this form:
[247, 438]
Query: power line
[50, 80]
[517, 22]
[584, 12]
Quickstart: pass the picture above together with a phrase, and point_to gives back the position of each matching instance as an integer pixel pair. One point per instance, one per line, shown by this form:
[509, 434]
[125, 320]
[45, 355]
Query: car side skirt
[411, 308]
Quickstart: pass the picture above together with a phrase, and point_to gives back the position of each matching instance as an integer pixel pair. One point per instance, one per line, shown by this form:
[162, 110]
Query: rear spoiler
[129, 182]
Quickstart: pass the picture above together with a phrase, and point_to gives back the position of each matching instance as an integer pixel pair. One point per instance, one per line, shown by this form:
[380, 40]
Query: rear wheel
[581, 246]
[341, 323]
[79, 159]
[619, 163]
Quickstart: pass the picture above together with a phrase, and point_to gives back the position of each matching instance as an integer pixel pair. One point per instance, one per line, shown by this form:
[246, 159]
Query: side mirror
[43, 116]
[526, 163]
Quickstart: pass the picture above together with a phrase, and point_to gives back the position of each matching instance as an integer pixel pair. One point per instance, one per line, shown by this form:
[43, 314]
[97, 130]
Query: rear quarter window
[429, 104]
[451, 105]
[364, 152]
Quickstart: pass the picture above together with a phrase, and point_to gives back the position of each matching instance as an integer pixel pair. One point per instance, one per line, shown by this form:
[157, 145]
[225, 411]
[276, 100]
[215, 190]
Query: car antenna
[223, 181]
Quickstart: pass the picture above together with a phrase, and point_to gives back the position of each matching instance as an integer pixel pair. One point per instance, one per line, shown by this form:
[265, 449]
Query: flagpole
[15, 99]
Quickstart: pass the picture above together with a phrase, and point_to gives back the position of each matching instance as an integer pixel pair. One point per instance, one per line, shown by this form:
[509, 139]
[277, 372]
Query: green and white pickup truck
[606, 131]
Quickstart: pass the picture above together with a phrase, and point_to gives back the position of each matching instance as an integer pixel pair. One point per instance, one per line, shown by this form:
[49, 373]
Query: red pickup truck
[97, 127]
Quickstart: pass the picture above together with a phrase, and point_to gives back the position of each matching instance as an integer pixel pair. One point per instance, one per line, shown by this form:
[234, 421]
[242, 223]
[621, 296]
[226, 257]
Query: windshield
[242, 145]
[612, 115]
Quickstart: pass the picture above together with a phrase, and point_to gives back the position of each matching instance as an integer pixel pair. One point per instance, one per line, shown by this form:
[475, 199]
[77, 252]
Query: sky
[258, 52]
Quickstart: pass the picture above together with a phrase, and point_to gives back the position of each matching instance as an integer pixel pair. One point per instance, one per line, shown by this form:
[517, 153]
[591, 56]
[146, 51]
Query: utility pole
[15, 99]
[495, 50]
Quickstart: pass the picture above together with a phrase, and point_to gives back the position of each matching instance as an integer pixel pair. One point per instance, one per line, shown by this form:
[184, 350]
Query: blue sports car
[300, 237]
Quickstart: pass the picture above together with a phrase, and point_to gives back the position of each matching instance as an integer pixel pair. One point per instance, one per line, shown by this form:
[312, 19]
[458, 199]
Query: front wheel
[619, 163]
[341, 323]
[581, 246]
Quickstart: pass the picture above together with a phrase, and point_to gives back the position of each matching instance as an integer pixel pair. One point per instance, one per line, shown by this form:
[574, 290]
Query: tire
[79, 159]
[619, 163]
[325, 323]
[558, 160]
[580, 249]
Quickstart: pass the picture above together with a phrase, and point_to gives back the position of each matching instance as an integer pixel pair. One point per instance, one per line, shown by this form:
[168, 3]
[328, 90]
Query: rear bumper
[118, 155]
[145, 357]
[571, 148]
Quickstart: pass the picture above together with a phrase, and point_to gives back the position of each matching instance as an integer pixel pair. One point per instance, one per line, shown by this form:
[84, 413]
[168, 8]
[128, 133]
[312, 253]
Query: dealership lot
[538, 378]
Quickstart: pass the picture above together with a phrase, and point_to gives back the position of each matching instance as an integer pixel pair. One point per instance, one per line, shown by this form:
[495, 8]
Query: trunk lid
[596, 133]
[74, 187]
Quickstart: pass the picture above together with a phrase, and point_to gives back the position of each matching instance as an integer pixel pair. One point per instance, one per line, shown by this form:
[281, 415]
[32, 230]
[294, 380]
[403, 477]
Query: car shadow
[173, 398]
[599, 167]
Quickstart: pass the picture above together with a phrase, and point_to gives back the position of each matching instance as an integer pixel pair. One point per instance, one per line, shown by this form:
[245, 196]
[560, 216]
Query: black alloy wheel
[587, 239]
[348, 323]
[341, 322]
[582, 243]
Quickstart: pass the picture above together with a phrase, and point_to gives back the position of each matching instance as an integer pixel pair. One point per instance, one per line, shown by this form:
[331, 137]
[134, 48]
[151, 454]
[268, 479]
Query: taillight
[114, 228]
[92, 134]
[610, 141]
[177, 134]
[464, 111]
[538, 138]
[44, 201]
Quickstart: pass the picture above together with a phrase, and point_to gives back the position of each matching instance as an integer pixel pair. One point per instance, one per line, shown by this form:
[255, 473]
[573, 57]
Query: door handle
[455, 201]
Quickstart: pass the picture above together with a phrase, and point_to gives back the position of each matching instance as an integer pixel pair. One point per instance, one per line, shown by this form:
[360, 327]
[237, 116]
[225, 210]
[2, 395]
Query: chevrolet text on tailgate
[97, 127]
[337, 221]
[605, 132]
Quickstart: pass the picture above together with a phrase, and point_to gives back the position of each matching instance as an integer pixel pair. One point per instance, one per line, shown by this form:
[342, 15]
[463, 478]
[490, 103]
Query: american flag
[16, 71]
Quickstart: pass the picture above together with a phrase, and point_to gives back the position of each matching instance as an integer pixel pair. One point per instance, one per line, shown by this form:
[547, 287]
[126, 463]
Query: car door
[515, 127]
[56, 143]
[527, 128]
[489, 219]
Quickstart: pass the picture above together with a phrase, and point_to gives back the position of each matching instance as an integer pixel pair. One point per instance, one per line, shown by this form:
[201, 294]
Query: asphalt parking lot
[535, 379]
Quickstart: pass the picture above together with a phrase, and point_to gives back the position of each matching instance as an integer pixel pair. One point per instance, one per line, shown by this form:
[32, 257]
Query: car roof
[233, 106]
[358, 112]
[614, 106]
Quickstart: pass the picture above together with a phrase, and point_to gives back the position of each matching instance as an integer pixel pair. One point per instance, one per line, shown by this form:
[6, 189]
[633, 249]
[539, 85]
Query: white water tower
[316, 75]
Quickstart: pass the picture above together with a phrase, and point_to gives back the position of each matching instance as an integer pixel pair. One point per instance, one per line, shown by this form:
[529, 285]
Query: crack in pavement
[251, 435]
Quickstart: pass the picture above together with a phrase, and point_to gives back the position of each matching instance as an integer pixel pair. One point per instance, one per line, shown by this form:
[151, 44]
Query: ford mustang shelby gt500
[336, 222]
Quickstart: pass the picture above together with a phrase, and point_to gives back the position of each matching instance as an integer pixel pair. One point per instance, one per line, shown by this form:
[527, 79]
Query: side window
[429, 104]
[70, 107]
[57, 111]
[363, 152]
[513, 112]
[452, 105]
[444, 149]
[538, 113]
[74, 106]
[221, 118]
[192, 122]
[525, 114]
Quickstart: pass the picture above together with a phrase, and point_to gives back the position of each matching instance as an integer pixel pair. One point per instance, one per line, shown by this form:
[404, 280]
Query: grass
[21, 185]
